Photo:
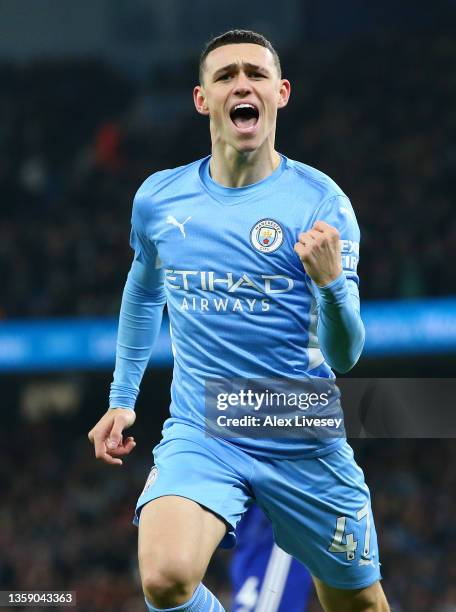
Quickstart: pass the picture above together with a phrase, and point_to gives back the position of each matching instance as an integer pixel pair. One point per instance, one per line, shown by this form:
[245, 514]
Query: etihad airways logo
[195, 287]
[188, 280]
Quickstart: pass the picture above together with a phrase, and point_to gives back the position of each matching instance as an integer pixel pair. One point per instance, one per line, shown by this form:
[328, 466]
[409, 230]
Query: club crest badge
[151, 478]
[266, 236]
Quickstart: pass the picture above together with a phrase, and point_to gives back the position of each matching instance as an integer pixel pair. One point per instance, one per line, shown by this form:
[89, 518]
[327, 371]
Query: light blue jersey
[239, 301]
[242, 307]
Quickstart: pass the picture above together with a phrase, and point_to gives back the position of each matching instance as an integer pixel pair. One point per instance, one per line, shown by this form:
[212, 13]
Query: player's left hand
[320, 253]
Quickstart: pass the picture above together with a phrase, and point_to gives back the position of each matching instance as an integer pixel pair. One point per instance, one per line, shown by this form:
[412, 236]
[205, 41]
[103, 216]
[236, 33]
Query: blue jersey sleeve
[340, 328]
[140, 315]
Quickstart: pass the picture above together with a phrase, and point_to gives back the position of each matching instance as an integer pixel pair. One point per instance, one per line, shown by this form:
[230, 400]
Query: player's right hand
[107, 437]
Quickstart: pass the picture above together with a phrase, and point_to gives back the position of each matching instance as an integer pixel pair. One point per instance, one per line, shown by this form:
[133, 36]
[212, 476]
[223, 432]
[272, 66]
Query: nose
[242, 85]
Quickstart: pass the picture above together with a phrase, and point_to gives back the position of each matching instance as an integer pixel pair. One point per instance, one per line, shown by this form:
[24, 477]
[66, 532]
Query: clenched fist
[319, 251]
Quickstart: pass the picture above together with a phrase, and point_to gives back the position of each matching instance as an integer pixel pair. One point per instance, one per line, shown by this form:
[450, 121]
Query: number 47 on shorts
[350, 545]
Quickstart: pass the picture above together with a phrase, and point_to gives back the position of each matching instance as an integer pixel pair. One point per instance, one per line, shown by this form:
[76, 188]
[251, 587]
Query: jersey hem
[268, 453]
[362, 584]
[228, 540]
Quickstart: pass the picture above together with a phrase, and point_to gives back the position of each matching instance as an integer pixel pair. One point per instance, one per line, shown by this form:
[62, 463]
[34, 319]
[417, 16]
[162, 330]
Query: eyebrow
[235, 67]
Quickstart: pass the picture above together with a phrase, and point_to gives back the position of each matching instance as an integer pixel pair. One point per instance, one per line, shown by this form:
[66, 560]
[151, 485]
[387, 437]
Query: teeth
[244, 106]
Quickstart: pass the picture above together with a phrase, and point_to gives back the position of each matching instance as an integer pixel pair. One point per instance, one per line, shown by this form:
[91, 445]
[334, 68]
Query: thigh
[202, 470]
[321, 514]
[179, 533]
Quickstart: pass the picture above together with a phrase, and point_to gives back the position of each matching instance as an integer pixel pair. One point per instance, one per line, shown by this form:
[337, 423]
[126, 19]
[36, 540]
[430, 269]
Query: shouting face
[241, 91]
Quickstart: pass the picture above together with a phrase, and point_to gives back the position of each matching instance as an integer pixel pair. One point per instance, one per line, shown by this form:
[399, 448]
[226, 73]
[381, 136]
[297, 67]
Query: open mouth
[244, 115]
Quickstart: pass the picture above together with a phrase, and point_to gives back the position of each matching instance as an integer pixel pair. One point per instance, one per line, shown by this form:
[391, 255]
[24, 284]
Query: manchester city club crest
[266, 236]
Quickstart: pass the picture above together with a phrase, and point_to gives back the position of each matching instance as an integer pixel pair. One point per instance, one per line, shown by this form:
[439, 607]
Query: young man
[245, 248]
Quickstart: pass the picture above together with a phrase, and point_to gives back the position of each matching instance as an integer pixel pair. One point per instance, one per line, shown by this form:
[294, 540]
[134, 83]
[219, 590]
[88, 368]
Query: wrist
[121, 408]
[336, 291]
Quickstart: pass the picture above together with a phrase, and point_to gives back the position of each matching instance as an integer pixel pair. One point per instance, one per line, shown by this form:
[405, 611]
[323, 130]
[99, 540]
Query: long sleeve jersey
[240, 303]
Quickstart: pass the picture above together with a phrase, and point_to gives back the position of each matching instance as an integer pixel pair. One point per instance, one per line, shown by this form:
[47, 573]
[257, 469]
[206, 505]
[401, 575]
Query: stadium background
[95, 96]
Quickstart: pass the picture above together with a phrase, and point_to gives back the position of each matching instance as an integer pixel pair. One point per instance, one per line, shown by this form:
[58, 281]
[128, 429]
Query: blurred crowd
[77, 138]
[66, 519]
[413, 484]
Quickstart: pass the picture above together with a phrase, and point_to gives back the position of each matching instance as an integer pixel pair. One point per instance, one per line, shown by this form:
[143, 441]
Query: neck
[231, 168]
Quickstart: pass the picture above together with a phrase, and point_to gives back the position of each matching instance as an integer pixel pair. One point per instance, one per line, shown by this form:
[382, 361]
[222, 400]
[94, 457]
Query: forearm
[139, 324]
[340, 328]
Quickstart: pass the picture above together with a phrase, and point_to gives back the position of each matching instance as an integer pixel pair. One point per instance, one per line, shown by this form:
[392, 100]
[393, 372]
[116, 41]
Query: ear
[284, 93]
[200, 100]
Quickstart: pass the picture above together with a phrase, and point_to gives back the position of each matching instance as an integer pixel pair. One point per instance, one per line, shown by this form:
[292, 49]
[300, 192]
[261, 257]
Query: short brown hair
[236, 37]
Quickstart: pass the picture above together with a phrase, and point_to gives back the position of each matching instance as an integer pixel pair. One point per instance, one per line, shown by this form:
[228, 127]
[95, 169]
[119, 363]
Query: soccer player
[265, 578]
[255, 255]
